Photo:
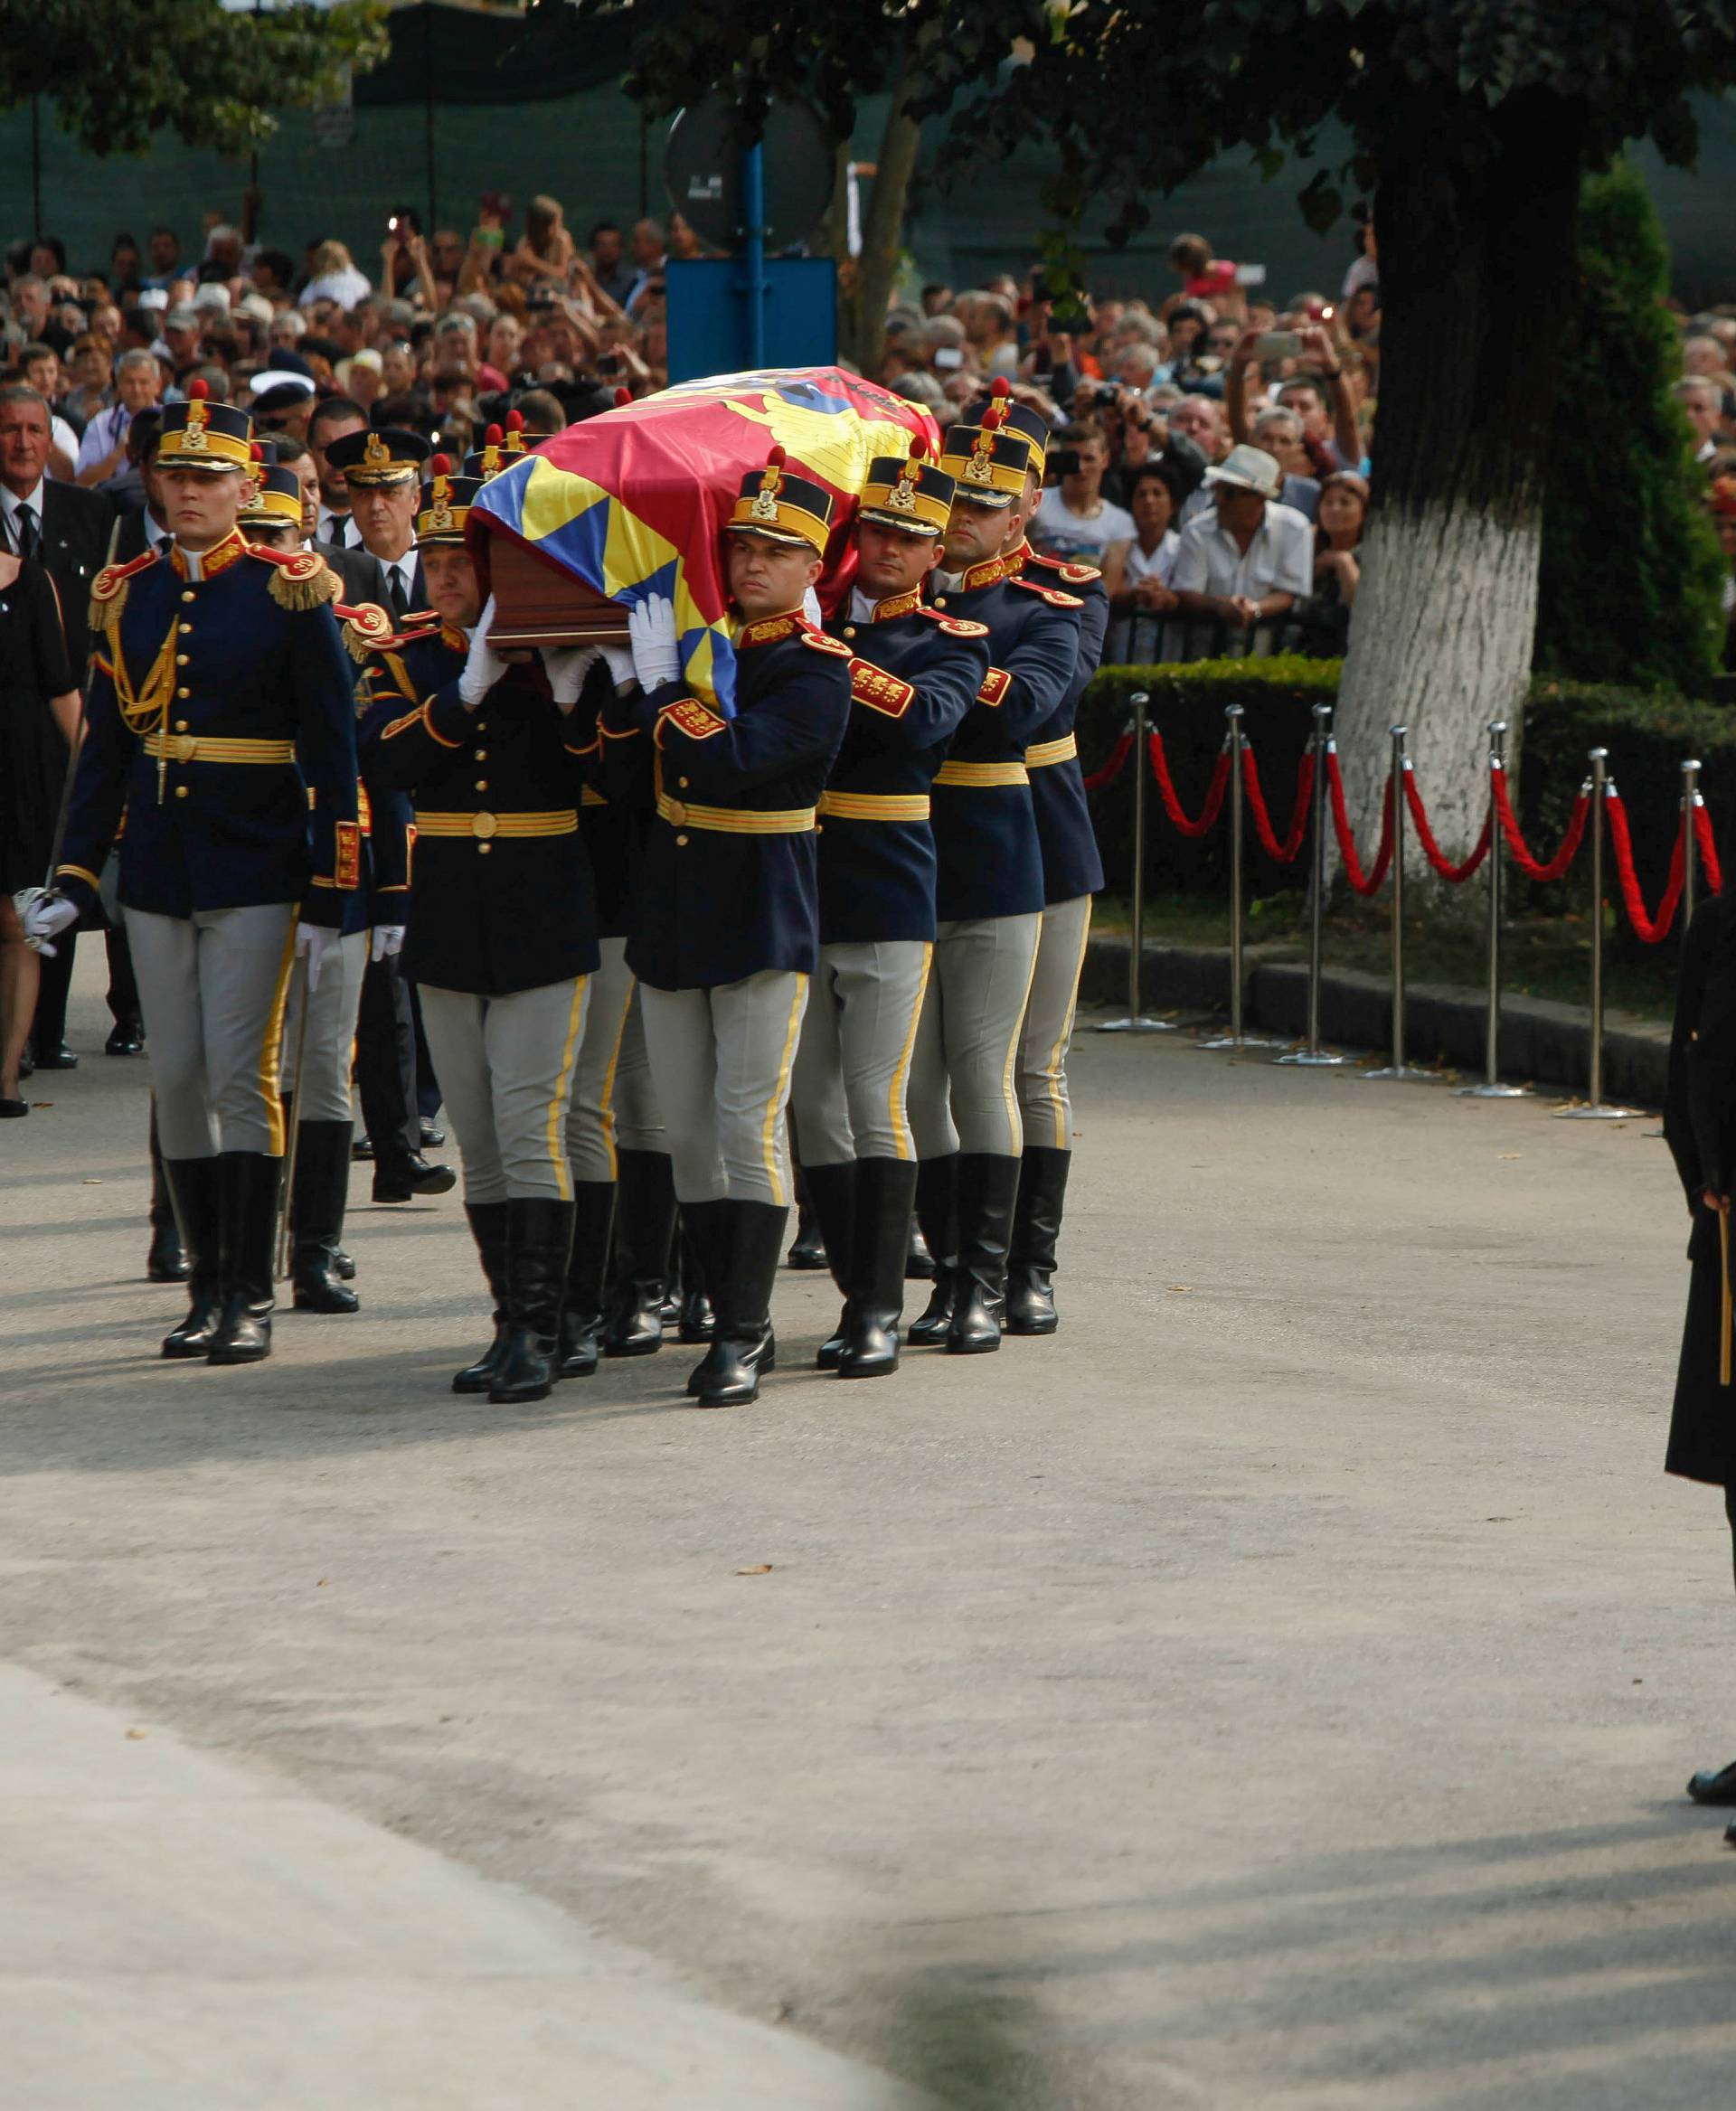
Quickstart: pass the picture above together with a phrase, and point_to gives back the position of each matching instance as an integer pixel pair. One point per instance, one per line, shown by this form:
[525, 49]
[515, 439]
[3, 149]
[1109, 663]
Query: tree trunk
[1476, 254]
[883, 226]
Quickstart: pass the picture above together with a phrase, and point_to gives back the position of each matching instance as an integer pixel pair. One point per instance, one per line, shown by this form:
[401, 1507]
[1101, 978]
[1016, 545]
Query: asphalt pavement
[1273, 1690]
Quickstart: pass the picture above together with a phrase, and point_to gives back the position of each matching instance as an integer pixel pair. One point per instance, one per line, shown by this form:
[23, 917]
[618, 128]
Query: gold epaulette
[108, 590]
[304, 580]
[366, 628]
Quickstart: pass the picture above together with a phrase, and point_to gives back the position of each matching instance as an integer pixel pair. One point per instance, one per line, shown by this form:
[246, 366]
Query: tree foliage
[1632, 575]
[119, 70]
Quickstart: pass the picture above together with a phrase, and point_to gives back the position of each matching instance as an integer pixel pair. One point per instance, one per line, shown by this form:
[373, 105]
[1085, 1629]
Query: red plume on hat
[623, 396]
[514, 421]
[198, 389]
[256, 451]
[493, 437]
[441, 465]
[918, 447]
[776, 458]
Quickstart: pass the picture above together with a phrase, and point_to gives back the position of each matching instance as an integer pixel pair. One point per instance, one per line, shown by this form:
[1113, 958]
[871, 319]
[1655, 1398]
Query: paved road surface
[1276, 1690]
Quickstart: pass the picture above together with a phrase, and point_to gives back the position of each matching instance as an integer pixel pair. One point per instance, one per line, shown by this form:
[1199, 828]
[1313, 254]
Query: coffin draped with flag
[632, 503]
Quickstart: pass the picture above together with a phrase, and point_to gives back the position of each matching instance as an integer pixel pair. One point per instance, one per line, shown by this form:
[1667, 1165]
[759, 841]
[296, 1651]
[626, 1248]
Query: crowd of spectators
[1166, 412]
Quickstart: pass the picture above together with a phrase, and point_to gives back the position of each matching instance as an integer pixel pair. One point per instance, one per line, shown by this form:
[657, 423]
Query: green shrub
[1631, 575]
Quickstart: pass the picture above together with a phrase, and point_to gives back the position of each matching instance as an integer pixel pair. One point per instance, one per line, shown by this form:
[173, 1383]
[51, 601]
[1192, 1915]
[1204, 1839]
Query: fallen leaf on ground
[761, 1569]
[1183, 1289]
[138, 1733]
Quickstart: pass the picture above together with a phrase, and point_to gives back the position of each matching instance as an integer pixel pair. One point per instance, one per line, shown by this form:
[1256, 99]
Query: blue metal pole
[753, 249]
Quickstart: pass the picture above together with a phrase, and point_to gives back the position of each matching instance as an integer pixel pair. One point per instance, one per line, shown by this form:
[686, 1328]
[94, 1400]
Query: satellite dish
[702, 170]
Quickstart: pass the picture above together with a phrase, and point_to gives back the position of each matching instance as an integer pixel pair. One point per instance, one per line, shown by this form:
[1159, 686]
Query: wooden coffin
[538, 603]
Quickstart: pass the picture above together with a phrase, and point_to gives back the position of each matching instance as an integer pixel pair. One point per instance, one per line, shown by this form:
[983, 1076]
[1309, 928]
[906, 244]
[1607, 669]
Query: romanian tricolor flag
[633, 502]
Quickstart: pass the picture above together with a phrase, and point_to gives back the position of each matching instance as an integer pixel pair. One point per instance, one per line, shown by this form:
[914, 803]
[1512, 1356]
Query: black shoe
[58, 1058]
[433, 1136]
[1036, 1228]
[645, 1224]
[166, 1262]
[744, 1348]
[488, 1228]
[1714, 1787]
[935, 1212]
[343, 1265]
[14, 1109]
[194, 1182]
[831, 1192]
[538, 1240]
[363, 1148]
[247, 1198]
[880, 1240]
[128, 1039]
[410, 1180]
[316, 1218]
[581, 1315]
[919, 1264]
[987, 1184]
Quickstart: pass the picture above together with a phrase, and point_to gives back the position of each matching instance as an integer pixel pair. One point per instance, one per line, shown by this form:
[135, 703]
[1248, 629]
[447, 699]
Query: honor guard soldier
[1072, 873]
[218, 666]
[503, 930]
[989, 891]
[725, 928]
[915, 673]
[383, 471]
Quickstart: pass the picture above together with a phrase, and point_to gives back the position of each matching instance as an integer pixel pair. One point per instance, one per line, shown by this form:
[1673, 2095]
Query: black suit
[131, 538]
[359, 572]
[76, 527]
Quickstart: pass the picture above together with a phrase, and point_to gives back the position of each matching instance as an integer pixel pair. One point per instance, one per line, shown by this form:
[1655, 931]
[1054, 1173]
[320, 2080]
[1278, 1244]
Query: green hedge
[1647, 734]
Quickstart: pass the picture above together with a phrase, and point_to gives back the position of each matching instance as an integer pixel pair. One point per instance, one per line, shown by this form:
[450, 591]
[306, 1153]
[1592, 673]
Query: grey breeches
[330, 1046]
[1043, 1100]
[720, 1062]
[850, 1089]
[213, 988]
[962, 1096]
[613, 1106]
[506, 1066]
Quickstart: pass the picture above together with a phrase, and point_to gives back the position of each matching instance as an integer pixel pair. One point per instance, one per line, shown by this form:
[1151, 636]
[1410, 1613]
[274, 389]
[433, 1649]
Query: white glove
[651, 628]
[619, 664]
[811, 608]
[315, 941]
[484, 666]
[45, 916]
[567, 671]
[388, 941]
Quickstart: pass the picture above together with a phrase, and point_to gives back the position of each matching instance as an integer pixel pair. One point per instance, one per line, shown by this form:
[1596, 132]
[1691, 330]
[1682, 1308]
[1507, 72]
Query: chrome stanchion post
[1398, 1071]
[1136, 1020]
[1594, 1109]
[1312, 1055]
[1492, 1087]
[1691, 800]
[1235, 743]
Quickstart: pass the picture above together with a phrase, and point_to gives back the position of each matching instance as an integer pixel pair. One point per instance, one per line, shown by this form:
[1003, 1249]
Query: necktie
[24, 528]
[395, 588]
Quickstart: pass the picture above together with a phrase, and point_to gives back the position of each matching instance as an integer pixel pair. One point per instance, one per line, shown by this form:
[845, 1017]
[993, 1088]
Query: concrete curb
[1541, 1042]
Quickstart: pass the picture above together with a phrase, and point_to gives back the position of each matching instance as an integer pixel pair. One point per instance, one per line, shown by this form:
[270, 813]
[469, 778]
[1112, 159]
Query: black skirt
[33, 666]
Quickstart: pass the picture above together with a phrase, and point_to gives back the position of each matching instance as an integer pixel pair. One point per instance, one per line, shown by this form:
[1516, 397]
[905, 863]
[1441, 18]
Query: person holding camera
[1073, 520]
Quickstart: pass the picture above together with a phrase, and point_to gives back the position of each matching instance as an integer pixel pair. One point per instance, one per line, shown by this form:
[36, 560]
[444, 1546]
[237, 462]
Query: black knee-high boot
[196, 1184]
[166, 1262]
[488, 1228]
[582, 1315]
[879, 1240]
[247, 1199]
[317, 1200]
[988, 1181]
[1036, 1228]
[645, 1222]
[935, 1212]
[538, 1240]
[832, 1196]
[745, 1348]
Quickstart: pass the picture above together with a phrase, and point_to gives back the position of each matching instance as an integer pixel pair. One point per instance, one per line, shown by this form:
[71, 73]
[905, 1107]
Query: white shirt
[345, 288]
[1279, 560]
[1058, 531]
[332, 527]
[9, 507]
[63, 437]
[103, 435]
[1158, 564]
[404, 568]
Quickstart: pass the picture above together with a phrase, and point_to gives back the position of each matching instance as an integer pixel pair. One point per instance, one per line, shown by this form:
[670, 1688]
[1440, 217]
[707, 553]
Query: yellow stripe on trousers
[271, 1054]
[1057, 1054]
[896, 1107]
[606, 1102]
[557, 1104]
[769, 1139]
[1009, 1087]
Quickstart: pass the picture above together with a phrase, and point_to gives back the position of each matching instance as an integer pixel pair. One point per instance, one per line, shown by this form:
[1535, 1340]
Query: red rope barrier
[1167, 793]
[1521, 856]
[1453, 874]
[1649, 930]
[1281, 852]
[1360, 882]
[1113, 767]
[1708, 850]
